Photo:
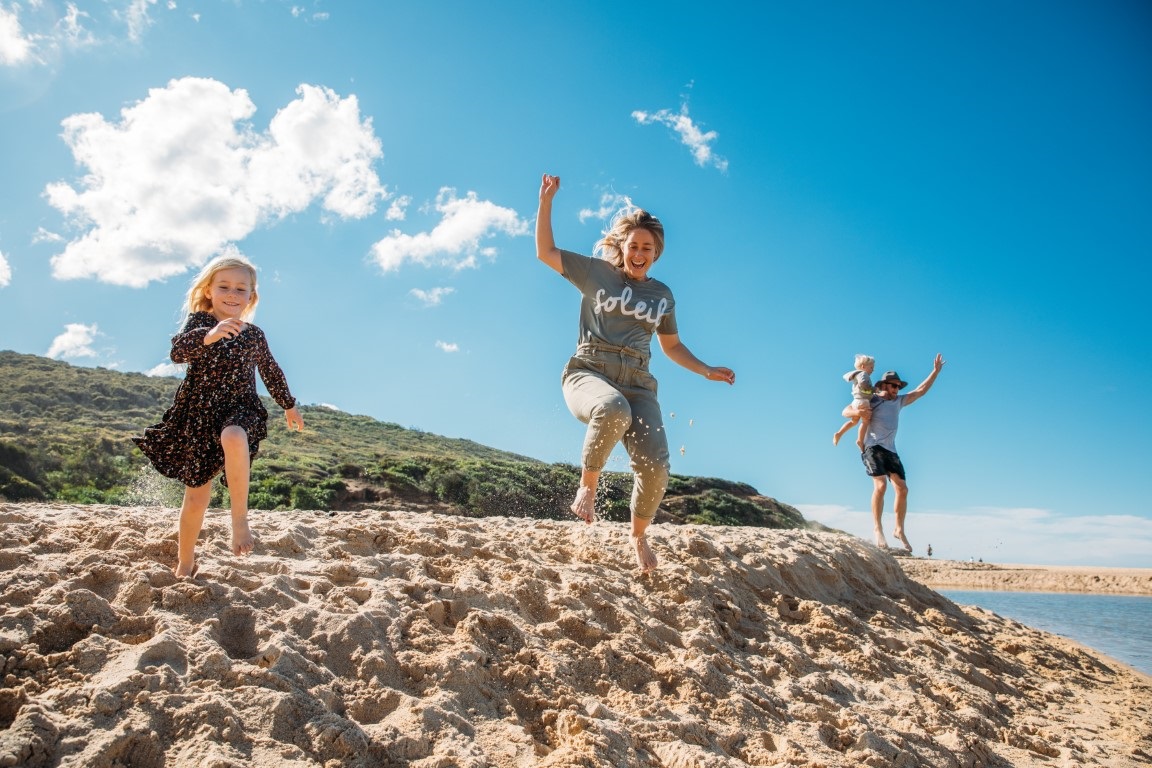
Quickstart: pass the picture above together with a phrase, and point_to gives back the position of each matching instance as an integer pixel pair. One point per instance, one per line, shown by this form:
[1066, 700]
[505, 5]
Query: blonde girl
[217, 420]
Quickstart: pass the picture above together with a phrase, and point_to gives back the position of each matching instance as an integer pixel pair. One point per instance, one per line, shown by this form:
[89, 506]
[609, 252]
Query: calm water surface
[1117, 625]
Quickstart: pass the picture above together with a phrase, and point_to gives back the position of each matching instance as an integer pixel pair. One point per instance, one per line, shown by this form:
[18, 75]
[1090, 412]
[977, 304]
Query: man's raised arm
[925, 385]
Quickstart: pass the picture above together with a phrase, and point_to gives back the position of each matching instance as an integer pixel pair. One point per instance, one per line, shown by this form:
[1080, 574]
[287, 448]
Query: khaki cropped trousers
[610, 389]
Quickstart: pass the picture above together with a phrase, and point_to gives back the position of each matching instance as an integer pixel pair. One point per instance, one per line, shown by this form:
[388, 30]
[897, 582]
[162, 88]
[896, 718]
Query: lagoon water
[1119, 626]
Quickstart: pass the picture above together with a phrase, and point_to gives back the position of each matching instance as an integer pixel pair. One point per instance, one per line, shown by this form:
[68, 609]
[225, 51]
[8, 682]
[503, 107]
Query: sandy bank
[396, 637]
[955, 574]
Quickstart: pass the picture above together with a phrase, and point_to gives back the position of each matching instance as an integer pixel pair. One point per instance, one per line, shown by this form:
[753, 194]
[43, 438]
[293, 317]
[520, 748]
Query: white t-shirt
[885, 421]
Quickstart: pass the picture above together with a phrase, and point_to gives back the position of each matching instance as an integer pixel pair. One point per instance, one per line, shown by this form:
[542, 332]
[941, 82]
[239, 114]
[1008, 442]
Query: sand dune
[402, 637]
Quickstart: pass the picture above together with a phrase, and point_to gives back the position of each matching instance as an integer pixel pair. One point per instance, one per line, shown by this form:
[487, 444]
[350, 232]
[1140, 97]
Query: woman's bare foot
[185, 570]
[584, 507]
[900, 535]
[242, 542]
[880, 540]
[645, 557]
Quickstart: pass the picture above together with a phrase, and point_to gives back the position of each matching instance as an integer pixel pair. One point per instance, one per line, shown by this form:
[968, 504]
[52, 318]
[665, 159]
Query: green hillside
[65, 435]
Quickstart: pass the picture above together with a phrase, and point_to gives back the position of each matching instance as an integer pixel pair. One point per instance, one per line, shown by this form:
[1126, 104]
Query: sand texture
[401, 637]
[954, 574]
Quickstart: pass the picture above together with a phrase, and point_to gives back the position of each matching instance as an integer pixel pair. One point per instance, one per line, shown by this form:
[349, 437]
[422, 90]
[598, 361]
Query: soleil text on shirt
[641, 311]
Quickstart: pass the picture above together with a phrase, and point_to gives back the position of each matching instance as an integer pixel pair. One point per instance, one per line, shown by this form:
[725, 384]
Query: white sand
[404, 638]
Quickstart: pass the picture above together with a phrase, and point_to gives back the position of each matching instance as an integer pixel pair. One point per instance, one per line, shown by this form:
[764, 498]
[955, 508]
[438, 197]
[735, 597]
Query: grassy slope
[64, 435]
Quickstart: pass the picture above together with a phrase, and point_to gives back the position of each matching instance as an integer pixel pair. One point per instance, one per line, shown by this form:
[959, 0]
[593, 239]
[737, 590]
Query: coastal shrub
[449, 485]
[13, 487]
[310, 498]
[715, 507]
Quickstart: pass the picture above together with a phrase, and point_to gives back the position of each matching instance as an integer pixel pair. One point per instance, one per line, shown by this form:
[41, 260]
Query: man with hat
[879, 455]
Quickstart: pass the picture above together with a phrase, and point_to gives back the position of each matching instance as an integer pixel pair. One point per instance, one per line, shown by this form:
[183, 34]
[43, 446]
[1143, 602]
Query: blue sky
[896, 179]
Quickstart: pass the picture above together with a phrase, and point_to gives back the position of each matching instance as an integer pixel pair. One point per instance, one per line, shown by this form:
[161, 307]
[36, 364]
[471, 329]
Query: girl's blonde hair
[198, 300]
[628, 218]
[863, 360]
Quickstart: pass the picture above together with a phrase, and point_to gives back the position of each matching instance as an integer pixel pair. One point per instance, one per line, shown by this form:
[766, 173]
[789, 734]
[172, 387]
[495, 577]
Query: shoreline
[1006, 577]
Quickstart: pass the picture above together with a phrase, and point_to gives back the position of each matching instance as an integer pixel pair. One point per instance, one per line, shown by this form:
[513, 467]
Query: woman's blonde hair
[611, 248]
[198, 300]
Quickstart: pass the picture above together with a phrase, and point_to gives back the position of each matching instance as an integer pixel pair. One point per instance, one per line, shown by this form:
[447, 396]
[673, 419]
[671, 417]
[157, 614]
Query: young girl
[217, 420]
[860, 409]
[606, 383]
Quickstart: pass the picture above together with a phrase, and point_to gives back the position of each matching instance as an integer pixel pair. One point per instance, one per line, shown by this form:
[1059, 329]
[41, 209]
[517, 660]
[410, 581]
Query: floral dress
[219, 390]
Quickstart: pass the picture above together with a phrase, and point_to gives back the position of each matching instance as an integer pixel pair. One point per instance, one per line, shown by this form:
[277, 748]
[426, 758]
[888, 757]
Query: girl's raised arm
[546, 249]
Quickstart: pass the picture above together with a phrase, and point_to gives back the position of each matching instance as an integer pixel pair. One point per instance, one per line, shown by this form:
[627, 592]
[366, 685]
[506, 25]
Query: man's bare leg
[879, 485]
[900, 506]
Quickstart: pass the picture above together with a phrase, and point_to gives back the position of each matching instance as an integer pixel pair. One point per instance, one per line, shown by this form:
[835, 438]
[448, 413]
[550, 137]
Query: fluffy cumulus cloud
[447, 346]
[465, 222]
[183, 174]
[76, 341]
[5, 272]
[698, 141]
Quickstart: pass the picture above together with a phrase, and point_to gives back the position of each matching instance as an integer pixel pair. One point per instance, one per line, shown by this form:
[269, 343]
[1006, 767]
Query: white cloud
[183, 174]
[447, 346]
[690, 134]
[16, 47]
[44, 236]
[298, 11]
[5, 272]
[610, 202]
[166, 369]
[76, 341]
[136, 18]
[398, 209]
[433, 297]
[330, 407]
[37, 33]
[455, 241]
[1007, 535]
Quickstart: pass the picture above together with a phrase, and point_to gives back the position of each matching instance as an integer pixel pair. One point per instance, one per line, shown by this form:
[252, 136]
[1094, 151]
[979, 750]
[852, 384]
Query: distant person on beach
[217, 420]
[859, 411]
[606, 384]
[879, 455]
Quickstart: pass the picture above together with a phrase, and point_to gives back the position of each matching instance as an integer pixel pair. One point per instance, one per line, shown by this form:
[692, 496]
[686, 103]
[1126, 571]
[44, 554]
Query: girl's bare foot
[242, 542]
[584, 507]
[900, 535]
[645, 557]
[880, 540]
[185, 570]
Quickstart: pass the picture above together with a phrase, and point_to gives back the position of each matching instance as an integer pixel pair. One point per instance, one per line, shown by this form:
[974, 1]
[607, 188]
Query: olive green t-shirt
[616, 309]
